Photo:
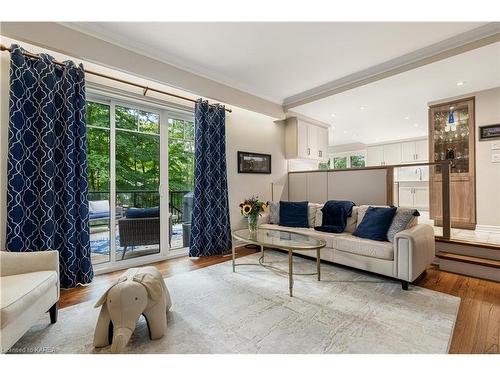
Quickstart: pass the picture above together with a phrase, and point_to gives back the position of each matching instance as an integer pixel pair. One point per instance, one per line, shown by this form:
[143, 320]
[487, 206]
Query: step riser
[475, 270]
[469, 250]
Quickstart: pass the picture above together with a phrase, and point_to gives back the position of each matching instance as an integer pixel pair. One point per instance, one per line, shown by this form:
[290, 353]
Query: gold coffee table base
[290, 265]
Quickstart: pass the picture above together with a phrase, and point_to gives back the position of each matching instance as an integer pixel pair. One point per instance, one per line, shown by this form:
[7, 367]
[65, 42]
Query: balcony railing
[146, 198]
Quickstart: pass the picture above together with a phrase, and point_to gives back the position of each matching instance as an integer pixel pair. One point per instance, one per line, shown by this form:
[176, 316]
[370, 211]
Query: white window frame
[347, 154]
[165, 112]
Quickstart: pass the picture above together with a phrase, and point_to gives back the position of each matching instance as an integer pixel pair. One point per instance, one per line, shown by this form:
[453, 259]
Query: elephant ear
[102, 299]
[152, 285]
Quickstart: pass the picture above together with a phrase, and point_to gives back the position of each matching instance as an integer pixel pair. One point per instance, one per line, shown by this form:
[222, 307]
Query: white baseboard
[488, 228]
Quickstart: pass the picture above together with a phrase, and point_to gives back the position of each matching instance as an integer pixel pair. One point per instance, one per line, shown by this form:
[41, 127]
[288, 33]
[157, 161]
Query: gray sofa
[406, 259]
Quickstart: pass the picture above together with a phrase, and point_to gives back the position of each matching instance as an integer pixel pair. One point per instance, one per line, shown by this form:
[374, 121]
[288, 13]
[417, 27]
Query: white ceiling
[386, 103]
[274, 60]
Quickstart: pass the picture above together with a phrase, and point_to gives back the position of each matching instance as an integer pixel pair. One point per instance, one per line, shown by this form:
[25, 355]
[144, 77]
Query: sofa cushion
[403, 219]
[23, 290]
[98, 206]
[375, 223]
[362, 211]
[351, 220]
[274, 212]
[136, 213]
[294, 214]
[369, 248]
[312, 208]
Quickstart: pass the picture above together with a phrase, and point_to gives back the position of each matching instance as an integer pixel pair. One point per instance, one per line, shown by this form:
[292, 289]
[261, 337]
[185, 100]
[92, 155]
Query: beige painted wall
[487, 173]
[249, 131]
[245, 131]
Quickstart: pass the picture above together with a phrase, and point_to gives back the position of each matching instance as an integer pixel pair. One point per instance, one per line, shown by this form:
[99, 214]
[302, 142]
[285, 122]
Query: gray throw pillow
[400, 222]
[274, 212]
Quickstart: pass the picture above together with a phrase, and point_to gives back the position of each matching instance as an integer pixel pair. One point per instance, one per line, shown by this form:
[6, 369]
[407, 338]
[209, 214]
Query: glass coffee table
[283, 240]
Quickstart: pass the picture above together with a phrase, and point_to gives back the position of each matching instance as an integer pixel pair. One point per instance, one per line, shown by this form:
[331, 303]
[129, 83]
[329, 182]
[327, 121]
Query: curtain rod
[144, 88]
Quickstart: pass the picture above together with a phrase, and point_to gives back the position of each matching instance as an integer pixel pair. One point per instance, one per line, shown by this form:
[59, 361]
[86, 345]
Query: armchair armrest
[414, 250]
[13, 263]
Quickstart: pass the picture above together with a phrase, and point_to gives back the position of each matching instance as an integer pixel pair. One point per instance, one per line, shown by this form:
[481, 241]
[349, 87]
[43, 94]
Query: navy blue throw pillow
[375, 223]
[293, 214]
[137, 213]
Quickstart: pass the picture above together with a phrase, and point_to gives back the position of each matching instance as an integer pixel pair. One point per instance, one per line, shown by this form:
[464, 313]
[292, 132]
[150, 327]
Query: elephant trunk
[120, 339]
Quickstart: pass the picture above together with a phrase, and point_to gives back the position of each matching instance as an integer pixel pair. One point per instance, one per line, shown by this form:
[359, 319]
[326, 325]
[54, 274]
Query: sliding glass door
[98, 172]
[137, 181]
[132, 221]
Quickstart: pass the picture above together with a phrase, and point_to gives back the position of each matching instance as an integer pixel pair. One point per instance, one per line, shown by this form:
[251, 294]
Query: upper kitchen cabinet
[375, 156]
[305, 140]
[415, 151]
[388, 154]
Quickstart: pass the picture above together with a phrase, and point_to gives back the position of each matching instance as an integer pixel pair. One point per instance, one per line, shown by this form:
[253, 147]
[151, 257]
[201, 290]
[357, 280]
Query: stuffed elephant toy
[139, 291]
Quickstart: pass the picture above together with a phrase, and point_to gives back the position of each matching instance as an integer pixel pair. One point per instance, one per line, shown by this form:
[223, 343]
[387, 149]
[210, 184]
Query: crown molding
[71, 42]
[476, 38]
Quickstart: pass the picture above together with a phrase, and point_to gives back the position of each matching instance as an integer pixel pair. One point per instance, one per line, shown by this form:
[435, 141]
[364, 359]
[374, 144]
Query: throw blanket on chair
[335, 214]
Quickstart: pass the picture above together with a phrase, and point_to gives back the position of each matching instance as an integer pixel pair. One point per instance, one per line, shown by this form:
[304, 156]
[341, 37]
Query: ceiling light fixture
[345, 131]
[333, 114]
[415, 125]
[407, 117]
[363, 107]
[460, 83]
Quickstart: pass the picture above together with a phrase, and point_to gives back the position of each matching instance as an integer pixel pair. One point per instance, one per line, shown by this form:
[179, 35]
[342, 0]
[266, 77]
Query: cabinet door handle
[320, 153]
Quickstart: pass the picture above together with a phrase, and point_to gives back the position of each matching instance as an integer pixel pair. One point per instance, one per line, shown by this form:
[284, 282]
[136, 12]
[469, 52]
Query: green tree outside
[137, 145]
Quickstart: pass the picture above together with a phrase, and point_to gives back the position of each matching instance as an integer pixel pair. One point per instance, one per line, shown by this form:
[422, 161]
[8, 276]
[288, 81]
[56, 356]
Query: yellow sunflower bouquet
[252, 208]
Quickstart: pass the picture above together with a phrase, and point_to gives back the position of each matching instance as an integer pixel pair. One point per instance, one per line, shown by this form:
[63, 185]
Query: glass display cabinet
[452, 137]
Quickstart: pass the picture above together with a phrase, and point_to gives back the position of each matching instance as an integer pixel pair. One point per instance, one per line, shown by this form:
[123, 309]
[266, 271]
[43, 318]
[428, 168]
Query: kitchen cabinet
[422, 150]
[414, 151]
[405, 197]
[305, 140]
[388, 154]
[392, 154]
[375, 156]
[414, 197]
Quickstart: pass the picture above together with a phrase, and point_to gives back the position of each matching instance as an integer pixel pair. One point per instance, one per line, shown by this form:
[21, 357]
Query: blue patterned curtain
[210, 228]
[47, 202]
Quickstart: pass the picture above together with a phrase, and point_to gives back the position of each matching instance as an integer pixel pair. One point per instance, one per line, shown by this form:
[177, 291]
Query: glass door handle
[160, 190]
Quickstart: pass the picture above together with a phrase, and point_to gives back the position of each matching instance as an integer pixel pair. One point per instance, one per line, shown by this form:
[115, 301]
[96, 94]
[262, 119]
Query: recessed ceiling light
[333, 127]
[415, 125]
[363, 107]
[407, 117]
[345, 131]
[460, 83]
[333, 114]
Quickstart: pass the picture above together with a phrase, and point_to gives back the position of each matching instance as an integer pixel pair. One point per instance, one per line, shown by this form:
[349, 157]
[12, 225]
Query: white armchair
[29, 285]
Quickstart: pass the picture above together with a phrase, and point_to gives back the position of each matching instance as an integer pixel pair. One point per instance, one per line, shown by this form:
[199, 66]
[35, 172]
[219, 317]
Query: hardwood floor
[477, 329]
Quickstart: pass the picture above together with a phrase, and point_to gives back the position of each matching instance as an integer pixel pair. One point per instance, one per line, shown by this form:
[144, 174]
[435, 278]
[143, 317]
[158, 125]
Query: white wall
[487, 173]
[245, 131]
[253, 132]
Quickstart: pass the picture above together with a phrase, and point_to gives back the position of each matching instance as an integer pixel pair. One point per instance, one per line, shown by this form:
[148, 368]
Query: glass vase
[252, 223]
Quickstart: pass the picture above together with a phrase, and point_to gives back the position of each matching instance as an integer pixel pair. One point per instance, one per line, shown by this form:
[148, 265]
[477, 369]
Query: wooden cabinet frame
[462, 185]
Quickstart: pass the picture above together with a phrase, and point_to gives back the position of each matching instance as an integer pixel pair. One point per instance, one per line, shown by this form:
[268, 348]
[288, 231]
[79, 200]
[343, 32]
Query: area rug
[217, 311]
